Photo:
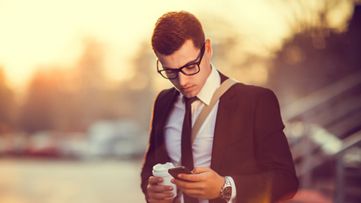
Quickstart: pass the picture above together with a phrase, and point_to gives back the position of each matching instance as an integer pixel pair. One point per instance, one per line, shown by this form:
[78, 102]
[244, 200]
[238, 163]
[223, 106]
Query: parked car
[116, 138]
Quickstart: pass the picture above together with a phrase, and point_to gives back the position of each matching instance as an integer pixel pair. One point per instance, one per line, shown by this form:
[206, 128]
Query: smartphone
[177, 170]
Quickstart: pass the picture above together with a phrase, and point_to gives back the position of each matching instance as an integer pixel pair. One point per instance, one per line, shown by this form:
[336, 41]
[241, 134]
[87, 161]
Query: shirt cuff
[234, 191]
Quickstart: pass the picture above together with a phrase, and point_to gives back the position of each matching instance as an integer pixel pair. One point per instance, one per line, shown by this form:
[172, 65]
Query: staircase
[324, 133]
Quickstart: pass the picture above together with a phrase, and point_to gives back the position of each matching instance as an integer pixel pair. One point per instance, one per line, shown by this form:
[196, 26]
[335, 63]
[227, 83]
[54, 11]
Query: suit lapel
[166, 105]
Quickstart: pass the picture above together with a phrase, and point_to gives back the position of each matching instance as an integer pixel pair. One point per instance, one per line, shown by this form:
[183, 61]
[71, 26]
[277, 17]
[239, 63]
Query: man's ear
[208, 47]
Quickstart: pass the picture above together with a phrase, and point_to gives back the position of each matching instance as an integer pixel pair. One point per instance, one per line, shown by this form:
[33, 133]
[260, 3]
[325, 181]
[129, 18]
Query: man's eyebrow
[189, 63]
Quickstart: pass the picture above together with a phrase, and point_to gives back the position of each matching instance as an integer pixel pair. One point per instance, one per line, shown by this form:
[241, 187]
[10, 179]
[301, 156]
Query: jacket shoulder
[251, 91]
[164, 96]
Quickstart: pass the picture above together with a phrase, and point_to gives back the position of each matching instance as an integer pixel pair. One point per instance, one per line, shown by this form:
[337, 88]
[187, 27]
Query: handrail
[321, 96]
[347, 143]
[350, 141]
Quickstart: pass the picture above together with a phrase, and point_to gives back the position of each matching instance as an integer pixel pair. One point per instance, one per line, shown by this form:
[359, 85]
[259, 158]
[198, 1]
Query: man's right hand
[156, 192]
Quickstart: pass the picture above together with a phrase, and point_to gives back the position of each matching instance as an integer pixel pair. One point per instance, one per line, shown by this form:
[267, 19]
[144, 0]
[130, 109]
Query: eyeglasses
[191, 68]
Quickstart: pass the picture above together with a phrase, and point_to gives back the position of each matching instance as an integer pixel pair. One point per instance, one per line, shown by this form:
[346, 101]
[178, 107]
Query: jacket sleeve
[149, 158]
[276, 179]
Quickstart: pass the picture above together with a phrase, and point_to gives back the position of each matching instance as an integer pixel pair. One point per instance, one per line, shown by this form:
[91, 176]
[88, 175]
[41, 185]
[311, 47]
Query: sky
[48, 33]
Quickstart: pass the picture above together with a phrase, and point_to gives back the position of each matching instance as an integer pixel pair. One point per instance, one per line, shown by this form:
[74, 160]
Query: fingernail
[170, 188]
[179, 176]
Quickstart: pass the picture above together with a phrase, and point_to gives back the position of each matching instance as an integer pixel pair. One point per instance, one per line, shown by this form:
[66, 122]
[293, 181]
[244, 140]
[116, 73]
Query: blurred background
[78, 80]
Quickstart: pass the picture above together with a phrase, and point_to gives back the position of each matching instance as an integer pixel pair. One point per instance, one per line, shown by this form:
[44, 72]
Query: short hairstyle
[173, 28]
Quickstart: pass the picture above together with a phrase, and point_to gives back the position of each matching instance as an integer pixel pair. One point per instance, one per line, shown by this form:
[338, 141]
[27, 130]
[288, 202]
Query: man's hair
[173, 29]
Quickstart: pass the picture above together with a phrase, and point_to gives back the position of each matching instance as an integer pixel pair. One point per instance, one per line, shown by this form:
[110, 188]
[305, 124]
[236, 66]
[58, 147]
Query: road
[39, 181]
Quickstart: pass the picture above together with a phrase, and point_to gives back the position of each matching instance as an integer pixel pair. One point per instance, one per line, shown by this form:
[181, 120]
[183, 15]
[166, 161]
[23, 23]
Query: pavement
[49, 181]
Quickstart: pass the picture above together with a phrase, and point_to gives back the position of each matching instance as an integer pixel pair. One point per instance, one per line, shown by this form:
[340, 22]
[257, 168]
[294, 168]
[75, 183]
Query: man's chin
[189, 94]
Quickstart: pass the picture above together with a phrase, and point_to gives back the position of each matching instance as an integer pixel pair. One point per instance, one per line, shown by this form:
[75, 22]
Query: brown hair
[173, 29]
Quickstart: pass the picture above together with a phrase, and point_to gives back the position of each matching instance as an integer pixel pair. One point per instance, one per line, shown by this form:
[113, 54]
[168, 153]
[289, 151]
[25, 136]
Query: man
[240, 153]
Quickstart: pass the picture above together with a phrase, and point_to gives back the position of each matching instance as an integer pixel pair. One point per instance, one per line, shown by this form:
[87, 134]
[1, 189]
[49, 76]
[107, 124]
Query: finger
[188, 185]
[191, 177]
[160, 196]
[167, 200]
[159, 188]
[154, 180]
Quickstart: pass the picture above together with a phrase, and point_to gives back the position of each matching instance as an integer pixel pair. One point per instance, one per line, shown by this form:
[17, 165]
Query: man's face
[188, 85]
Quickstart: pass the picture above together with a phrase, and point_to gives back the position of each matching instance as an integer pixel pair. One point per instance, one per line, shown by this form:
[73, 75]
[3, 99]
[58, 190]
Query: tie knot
[190, 100]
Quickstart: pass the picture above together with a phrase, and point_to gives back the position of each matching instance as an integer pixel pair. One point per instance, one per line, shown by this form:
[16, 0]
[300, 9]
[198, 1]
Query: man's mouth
[186, 89]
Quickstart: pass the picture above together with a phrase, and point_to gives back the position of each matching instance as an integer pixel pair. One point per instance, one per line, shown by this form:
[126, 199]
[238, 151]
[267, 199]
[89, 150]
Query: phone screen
[177, 170]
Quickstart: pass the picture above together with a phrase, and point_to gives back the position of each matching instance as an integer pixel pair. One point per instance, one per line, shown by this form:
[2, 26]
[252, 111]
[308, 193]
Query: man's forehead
[187, 53]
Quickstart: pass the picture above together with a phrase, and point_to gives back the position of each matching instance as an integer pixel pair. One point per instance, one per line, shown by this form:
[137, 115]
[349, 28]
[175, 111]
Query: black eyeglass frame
[176, 71]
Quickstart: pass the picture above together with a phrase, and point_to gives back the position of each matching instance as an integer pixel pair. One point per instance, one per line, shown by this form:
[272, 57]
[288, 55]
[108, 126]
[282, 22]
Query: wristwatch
[226, 191]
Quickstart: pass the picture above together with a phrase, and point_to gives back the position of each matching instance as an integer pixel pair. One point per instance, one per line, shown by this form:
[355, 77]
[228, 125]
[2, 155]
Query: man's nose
[182, 79]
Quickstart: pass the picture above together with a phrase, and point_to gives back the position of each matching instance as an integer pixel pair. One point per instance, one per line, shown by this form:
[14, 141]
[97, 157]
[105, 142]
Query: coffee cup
[161, 170]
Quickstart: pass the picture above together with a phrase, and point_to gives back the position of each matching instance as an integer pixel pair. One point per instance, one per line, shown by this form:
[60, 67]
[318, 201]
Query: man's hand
[204, 183]
[157, 192]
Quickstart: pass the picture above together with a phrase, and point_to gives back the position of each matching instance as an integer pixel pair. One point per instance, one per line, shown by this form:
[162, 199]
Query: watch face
[226, 193]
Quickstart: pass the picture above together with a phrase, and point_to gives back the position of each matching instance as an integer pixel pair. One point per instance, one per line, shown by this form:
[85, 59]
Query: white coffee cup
[161, 170]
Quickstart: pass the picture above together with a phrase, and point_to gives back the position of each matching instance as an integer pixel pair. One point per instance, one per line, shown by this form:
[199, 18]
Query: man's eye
[190, 67]
[169, 71]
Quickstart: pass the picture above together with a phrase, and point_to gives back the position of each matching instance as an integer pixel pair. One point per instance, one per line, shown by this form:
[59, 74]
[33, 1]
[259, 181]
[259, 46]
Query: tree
[43, 104]
[7, 105]
[66, 100]
[315, 56]
[137, 94]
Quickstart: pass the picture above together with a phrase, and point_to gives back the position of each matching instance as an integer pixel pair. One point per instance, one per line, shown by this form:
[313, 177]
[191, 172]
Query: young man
[240, 153]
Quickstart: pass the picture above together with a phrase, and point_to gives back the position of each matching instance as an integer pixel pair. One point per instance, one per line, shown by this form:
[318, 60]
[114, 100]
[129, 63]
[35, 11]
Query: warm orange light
[39, 32]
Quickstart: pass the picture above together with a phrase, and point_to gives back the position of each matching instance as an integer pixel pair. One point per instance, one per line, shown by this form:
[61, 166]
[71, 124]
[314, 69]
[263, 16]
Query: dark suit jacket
[249, 143]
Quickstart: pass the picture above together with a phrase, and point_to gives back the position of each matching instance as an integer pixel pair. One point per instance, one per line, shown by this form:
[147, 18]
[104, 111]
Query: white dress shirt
[202, 146]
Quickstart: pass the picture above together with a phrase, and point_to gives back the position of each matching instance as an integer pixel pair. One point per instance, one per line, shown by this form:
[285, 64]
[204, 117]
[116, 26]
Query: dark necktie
[186, 149]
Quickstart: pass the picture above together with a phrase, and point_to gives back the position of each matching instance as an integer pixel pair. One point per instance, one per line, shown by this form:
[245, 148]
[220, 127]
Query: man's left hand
[203, 183]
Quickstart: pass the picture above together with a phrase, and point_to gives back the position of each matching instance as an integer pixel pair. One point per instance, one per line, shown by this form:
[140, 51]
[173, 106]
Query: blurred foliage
[235, 54]
[7, 105]
[73, 98]
[316, 56]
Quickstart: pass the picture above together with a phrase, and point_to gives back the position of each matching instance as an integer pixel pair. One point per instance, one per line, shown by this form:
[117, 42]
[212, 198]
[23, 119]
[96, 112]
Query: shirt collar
[210, 86]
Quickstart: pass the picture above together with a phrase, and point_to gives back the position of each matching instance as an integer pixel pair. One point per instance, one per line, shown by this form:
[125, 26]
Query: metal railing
[315, 144]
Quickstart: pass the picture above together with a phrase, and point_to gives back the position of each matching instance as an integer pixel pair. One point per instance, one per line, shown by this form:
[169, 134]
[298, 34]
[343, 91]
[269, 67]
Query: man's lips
[187, 88]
